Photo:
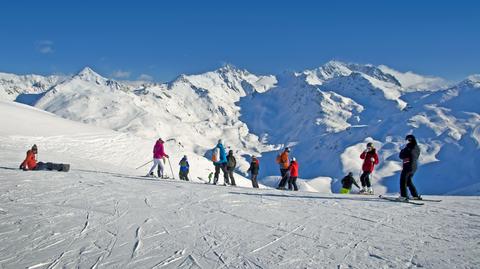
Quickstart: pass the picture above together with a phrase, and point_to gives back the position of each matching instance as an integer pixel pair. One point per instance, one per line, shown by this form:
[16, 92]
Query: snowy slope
[87, 147]
[82, 145]
[327, 114]
[91, 219]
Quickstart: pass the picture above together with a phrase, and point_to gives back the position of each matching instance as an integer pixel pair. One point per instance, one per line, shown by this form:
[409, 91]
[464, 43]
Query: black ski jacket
[410, 155]
[347, 182]
[254, 167]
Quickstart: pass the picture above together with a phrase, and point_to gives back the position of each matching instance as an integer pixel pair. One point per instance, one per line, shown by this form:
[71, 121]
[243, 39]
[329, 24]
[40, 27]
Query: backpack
[231, 161]
[216, 155]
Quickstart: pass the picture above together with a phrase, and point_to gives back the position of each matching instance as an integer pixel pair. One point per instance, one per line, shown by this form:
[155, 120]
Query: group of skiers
[227, 164]
[409, 156]
[288, 167]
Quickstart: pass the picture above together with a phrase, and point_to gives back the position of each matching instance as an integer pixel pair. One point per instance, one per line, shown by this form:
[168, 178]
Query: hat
[220, 141]
[293, 159]
[350, 173]
[370, 144]
[410, 137]
[287, 149]
[230, 152]
[34, 147]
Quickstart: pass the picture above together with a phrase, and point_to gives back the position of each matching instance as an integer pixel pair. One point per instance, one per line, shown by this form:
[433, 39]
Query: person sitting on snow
[347, 183]
[30, 163]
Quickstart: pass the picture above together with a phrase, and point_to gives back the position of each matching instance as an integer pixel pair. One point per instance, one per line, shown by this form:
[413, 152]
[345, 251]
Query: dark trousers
[223, 167]
[292, 181]
[183, 175]
[254, 181]
[283, 181]
[365, 179]
[406, 181]
[49, 166]
[230, 175]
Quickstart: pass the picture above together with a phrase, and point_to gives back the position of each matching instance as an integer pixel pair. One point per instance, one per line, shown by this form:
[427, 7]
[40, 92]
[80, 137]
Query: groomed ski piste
[103, 214]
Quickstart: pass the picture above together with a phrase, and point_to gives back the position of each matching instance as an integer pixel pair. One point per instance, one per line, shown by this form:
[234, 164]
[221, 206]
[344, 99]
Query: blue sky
[162, 39]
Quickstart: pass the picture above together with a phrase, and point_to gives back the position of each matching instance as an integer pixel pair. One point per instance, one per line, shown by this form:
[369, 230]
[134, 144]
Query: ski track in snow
[86, 219]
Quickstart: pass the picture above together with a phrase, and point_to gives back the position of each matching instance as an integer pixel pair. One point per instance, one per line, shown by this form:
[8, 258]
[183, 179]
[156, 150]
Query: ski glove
[372, 159]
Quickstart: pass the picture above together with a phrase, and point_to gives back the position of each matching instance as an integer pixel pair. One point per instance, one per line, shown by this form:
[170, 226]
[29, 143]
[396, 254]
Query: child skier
[184, 168]
[292, 180]
[347, 183]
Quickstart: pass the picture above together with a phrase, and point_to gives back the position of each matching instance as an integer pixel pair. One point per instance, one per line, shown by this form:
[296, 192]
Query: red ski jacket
[294, 169]
[30, 162]
[368, 164]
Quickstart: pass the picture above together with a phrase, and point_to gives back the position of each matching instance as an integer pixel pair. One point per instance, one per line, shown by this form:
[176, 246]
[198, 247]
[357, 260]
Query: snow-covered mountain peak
[330, 70]
[227, 81]
[231, 69]
[414, 82]
[335, 65]
[473, 80]
[336, 69]
[88, 74]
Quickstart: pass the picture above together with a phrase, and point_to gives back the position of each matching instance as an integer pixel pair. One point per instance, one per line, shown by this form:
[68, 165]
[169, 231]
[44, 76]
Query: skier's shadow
[364, 199]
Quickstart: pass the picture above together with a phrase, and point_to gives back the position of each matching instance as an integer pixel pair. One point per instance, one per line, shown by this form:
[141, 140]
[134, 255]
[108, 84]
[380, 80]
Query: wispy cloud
[44, 46]
[121, 74]
[145, 77]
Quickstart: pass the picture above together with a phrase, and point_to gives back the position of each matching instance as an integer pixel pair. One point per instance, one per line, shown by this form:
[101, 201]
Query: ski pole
[143, 164]
[170, 164]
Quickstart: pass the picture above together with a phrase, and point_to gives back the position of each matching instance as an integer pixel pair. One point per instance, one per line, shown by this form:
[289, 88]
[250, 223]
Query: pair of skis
[413, 202]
